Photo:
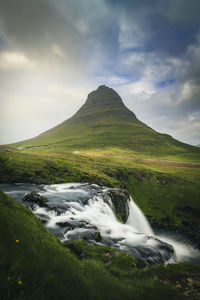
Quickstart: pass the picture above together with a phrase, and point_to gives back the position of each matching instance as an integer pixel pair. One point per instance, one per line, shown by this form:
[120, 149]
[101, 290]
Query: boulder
[120, 200]
[34, 197]
[88, 235]
[64, 224]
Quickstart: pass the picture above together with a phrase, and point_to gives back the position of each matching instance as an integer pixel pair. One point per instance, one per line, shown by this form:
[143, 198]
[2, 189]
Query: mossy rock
[120, 200]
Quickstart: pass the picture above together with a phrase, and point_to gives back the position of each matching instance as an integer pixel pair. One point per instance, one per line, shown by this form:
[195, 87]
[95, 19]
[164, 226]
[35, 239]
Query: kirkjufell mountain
[104, 122]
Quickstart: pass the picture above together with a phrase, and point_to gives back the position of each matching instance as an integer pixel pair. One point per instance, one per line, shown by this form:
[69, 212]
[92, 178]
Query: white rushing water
[99, 214]
[79, 211]
[184, 250]
[138, 220]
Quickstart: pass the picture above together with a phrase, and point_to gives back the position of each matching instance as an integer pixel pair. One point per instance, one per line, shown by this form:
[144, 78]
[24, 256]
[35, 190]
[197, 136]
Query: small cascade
[138, 220]
[85, 211]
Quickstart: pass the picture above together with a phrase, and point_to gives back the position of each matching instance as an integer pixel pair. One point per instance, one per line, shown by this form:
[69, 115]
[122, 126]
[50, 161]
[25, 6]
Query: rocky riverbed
[101, 216]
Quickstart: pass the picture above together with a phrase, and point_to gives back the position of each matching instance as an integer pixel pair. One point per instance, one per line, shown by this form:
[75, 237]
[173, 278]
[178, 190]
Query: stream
[88, 212]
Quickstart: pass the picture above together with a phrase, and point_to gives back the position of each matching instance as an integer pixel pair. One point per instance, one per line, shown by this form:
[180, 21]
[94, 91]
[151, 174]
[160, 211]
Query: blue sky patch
[164, 83]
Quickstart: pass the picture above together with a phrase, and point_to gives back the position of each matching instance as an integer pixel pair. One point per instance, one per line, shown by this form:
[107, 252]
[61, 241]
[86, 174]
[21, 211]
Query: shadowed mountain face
[104, 122]
[104, 102]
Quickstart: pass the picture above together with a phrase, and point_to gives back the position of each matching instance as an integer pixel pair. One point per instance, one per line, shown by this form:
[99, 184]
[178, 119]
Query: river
[87, 211]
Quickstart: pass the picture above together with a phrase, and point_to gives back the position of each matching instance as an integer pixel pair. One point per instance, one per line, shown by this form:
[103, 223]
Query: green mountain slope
[105, 123]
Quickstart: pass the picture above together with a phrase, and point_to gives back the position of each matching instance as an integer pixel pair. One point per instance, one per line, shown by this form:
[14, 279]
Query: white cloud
[15, 60]
[66, 94]
[131, 35]
[141, 87]
[58, 51]
[187, 130]
[189, 90]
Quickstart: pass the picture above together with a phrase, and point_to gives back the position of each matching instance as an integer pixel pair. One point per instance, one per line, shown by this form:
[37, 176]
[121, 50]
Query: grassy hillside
[168, 195]
[104, 123]
[35, 265]
[105, 143]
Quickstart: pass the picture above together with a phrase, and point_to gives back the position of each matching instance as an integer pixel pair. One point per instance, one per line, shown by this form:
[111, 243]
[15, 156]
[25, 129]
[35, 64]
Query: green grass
[35, 265]
[166, 199]
[168, 195]
[32, 256]
[96, 145]
[104, 123]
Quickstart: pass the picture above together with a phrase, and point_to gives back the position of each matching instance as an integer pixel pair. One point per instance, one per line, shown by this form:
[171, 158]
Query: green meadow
[167, 194]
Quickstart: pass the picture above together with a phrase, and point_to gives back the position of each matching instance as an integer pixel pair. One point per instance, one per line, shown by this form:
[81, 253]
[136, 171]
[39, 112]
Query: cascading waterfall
[83, 211]
[138, 220]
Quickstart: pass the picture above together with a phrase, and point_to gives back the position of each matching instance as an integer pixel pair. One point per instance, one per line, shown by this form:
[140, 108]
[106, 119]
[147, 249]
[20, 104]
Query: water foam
[80, 204]
[138, 220]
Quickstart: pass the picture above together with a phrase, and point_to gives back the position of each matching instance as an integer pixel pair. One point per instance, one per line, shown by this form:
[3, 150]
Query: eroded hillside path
[150, 161]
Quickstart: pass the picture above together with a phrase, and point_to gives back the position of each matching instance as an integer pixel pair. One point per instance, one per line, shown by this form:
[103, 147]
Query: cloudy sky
[54, 52]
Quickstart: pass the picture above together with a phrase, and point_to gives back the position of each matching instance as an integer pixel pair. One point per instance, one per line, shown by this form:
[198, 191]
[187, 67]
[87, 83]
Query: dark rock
[123, 186]
[64, 224]
[97, 236]
[44, 218]
[88, 235]
[189, 230]
[113, 173]
[76, 224]
[34, 197]
[120, 200]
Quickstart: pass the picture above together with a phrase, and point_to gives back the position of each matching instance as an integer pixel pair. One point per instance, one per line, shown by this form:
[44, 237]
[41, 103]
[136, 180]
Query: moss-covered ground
[35, 265]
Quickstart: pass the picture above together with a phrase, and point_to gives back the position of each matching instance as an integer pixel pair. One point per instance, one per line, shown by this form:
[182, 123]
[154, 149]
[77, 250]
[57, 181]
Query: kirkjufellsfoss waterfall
[138, 220]
[88, 212]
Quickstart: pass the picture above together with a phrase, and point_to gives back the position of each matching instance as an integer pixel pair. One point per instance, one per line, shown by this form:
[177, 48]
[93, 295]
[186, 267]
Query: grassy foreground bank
[35, 265]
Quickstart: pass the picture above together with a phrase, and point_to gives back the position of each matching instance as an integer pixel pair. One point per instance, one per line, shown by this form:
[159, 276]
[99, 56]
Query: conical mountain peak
[104, 102]
[104, 95]
[104, 122]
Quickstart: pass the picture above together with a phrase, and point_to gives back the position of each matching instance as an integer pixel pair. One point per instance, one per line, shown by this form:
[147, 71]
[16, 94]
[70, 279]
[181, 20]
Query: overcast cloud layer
[54, 52]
